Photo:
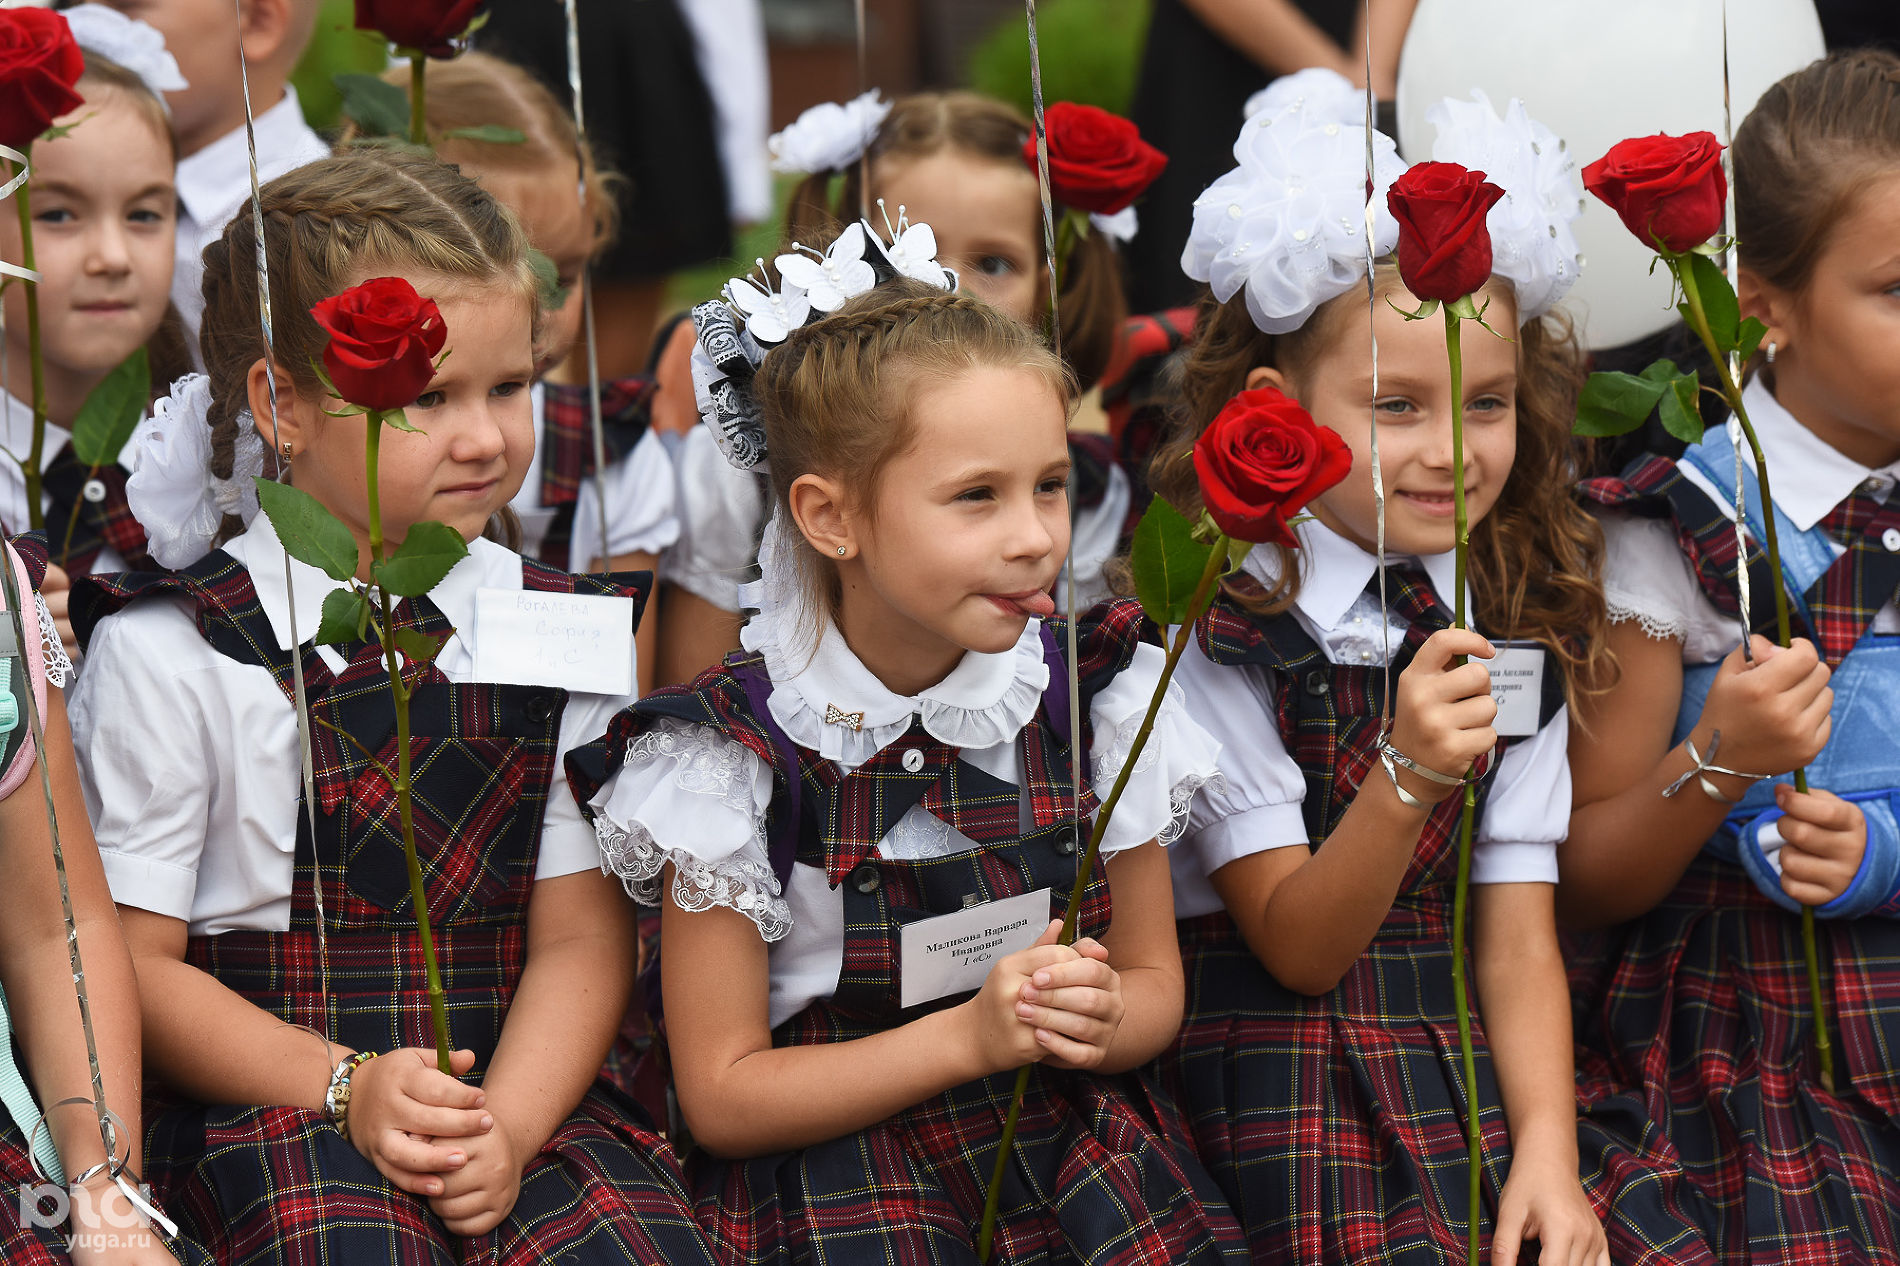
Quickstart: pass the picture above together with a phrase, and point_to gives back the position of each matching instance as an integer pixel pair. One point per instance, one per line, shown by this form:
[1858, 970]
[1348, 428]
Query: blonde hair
[324, 225]
[837, 396]
[1092, 304]
[1536, 559]
[102, 72]
[478, 90]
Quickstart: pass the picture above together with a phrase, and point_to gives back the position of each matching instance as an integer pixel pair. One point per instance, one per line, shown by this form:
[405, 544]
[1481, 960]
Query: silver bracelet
[1391, 757]
[1704, 766]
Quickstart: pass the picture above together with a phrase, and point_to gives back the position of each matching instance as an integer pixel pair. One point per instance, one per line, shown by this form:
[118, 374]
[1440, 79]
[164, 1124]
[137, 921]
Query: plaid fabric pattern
[276, 1182]
[567, 447]
[31, 547]
[22, 1244]
[1842, 604]
[96, 524]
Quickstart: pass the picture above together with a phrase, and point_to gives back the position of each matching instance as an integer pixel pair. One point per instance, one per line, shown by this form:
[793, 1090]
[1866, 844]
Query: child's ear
[818, 507]
[289, 427]
[1267, 376]
[1769, 304]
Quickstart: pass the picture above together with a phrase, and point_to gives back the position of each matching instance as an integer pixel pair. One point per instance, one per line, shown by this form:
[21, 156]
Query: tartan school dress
[1693, 1022]
[279, 1184]
[558, 504]
[92, 503]
[1335, 1124]
[1094, 1177]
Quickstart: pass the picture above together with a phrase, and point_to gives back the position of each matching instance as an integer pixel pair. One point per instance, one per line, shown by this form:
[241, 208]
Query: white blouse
[1646, 576]
[16, 438]
[1257, 804]
[190, 760]
[641, 502]
[689, 797]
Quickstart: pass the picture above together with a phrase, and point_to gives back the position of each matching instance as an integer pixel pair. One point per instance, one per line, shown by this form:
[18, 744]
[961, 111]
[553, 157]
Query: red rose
[39, 64]
[384, 338]
[1669, 189]
[1261, 460]
[1444, 246]
[1097, 161]
[425, 24]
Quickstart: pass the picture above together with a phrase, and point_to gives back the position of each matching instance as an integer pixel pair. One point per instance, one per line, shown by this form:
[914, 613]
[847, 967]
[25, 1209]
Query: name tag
[1517, 684]
[576, 641]
[952, 953]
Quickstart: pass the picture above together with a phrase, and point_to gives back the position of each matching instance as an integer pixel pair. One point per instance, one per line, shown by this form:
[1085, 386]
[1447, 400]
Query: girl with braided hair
[858, 827]
[263, 926]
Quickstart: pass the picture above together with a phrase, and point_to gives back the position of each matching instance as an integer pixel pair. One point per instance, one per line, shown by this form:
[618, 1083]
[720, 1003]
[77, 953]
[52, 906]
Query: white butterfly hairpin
[829, 278]
[770, 315]
[912, 250]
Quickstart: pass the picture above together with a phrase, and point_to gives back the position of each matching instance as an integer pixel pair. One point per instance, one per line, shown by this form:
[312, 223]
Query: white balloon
[1596, 72]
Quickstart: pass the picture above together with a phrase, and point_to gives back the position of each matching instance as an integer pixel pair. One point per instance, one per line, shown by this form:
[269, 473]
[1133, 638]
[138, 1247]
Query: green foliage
[336, 48]
[1167, 563]
[1618, 403]
[416, 646]
[547, 280]
[489, 132]
[309, 532]
[112, 410]
[1718, 301]
[380, 108]
[345, 617]
[1678, 411]
[425, 556]
[1091, 53]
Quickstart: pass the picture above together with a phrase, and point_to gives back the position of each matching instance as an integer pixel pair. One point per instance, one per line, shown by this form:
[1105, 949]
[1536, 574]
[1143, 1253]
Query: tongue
[1038, 604]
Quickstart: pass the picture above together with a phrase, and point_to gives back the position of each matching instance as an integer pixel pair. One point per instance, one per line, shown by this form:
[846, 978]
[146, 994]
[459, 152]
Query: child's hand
[1545, 1202]
[413, 1121]
[1003, 1040]
[1075, 1007]
[1443, 716]
[1823, 840]
[1773, 714]
[476, 1197]
[107, 1231]
[57, 589]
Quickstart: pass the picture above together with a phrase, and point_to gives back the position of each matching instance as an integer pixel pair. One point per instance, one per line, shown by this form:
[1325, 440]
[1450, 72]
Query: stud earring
[1771, 353]
[287, 450]
[841, 551]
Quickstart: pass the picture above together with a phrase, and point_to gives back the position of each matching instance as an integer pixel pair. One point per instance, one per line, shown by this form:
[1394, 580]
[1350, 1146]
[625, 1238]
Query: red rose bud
[1097, 160]
[39, 64]
[1261, 460]
[429, 25]
[384, 338]
[1444, 246]
[1669, 190]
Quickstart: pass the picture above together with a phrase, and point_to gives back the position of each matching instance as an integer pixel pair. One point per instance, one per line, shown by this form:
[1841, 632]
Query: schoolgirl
[1695, 1014]
[256, 917]
[954, 163]
[1318, 1065]
[882, 777]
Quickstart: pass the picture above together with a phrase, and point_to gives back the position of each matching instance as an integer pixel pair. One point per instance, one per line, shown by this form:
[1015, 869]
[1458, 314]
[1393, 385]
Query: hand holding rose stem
[1259, 463]
[1671, 193]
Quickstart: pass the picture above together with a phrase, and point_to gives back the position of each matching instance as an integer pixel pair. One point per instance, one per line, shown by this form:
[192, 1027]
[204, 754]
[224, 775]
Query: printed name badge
[575, 641]
[1517, 684]
[952, 953]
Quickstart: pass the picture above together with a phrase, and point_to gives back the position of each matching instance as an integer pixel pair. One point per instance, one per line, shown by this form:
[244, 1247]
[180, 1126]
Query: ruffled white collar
[828, 701]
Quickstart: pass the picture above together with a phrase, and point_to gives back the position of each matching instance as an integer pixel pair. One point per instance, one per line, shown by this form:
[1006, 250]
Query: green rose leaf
[397, 420]
[547, 280]
[1167, 563]
[426, 555]
[311, 533]
[345, 616]
[1718, 301]
[488, 132]
[1617, 403]
[418, 647]
[1752, 333]
[1678, 408]
[112, 410]
[380, 109]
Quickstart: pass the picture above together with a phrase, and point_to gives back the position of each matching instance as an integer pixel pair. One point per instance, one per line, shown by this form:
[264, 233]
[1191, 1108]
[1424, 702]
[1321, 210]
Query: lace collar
[827, 700]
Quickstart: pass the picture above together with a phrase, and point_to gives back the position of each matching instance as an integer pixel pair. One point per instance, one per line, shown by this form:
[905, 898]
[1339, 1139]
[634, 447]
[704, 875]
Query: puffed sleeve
[143, 755]
[721, 512]
[1527, 813]
[1179, 759]
[690, 797]
[642, 505]
[1646, 577]
[1256, 805]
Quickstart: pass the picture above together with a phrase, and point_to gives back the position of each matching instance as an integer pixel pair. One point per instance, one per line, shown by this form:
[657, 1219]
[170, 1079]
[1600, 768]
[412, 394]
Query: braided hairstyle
[836, 396]
[328, 226]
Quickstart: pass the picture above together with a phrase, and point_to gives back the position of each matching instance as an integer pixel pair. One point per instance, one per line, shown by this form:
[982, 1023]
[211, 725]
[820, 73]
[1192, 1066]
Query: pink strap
[33, 656]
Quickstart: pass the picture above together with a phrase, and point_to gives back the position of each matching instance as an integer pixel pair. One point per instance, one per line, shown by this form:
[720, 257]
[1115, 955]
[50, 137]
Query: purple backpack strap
[782, 830]
[1055, 699]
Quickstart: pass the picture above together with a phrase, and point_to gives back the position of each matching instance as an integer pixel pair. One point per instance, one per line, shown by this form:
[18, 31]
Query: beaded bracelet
[336, 1100]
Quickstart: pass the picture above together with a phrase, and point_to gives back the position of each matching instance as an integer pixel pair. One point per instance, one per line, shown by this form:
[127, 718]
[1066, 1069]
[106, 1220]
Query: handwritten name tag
[952, 953]
[575, 641]
[1517, 684]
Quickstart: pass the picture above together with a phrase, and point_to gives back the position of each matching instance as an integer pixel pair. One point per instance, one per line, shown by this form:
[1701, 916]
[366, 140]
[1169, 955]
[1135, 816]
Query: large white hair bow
[828, 137]
[135, 45]
[172, 492]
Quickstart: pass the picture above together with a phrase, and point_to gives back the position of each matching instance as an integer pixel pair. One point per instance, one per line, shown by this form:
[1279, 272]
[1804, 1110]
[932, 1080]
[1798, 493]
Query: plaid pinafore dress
[1335, 1124]
[279, 1184]
[1694, 1029]
[567, 453]
[1095, 1178]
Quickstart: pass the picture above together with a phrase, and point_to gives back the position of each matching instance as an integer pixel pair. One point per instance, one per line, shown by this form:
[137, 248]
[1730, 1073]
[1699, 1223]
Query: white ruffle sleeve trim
[690, 797]
[1646, 578]
[1179, 760]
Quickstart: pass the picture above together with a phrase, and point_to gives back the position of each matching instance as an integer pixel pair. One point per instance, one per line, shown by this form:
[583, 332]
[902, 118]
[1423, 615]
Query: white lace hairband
[1287, 225]
[135, 45]
[734, 335]
[172, 492]
[830, 136]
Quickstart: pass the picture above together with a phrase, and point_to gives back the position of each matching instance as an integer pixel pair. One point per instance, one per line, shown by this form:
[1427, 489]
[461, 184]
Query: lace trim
[742, 882]
[1661, 628]
[59, 669]
[1181, 800]
[704, 762]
